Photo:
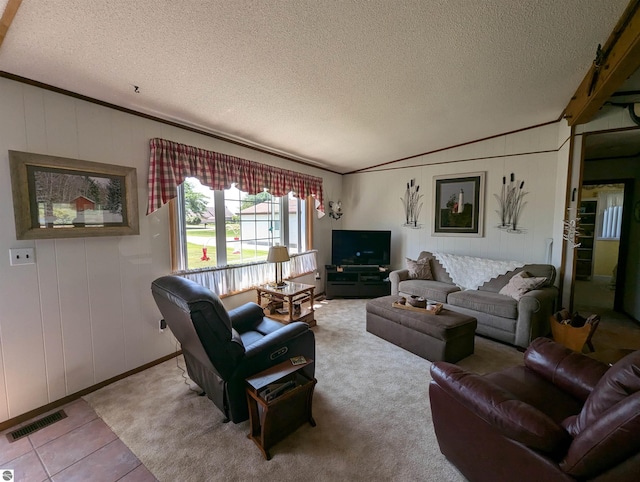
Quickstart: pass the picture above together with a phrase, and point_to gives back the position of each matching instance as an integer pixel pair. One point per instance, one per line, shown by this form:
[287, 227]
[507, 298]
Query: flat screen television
[350, 247]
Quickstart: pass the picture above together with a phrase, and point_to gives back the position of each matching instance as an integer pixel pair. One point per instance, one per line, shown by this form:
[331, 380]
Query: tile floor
[80, 447]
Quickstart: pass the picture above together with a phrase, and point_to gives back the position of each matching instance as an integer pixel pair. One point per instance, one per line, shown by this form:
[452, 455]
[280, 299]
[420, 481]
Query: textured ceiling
[340, 84]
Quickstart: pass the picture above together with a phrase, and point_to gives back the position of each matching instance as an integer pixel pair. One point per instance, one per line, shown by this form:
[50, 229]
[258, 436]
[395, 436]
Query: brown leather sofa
[221, 349]
[561, 417]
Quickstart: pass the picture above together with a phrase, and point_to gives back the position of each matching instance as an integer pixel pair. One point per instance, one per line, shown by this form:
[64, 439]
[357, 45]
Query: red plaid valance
[171, 163]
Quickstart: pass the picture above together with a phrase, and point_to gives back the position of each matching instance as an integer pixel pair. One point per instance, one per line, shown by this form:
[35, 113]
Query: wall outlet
[162, 325]
[22, 256]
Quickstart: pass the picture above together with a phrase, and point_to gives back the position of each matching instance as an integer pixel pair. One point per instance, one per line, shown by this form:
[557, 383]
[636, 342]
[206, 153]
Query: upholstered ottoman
[447, 336]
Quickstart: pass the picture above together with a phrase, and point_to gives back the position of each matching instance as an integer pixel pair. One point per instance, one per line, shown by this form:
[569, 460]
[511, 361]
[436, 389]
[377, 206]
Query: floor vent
[35, 426]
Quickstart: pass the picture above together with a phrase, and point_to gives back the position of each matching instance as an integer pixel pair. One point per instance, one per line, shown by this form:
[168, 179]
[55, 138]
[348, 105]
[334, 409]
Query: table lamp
[278, 255]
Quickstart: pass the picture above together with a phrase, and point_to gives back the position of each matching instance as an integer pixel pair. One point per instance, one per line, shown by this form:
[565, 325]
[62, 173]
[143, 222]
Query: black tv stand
[365, 268]
[357, 281]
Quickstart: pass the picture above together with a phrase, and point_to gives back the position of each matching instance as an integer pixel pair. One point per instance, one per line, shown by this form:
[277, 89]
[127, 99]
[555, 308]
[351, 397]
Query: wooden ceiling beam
[7, 17]
[619, 60]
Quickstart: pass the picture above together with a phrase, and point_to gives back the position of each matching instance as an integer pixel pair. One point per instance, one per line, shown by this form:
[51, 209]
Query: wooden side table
[271, 420]
[289, 297]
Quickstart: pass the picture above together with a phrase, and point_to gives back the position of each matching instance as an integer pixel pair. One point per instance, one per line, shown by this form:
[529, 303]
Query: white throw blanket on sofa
[469, 272]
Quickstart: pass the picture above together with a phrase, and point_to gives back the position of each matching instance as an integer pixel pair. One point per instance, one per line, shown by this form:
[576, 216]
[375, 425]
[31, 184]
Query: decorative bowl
[417, 301]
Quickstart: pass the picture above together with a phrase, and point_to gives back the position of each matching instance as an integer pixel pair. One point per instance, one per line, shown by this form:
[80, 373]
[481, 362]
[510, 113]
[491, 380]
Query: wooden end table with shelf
[288, 296]
[272, 420]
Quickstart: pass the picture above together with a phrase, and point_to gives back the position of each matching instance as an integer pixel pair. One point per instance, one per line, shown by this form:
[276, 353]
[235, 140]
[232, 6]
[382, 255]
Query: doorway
[609, 158]
[598, 256]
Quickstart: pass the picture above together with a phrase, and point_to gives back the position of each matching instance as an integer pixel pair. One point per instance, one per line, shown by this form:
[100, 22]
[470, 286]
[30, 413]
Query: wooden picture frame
[57, 197]
[459, 205]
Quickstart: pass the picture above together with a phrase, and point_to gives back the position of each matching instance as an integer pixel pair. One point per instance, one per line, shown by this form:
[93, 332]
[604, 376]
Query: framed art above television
[57, 197]
[459, 205]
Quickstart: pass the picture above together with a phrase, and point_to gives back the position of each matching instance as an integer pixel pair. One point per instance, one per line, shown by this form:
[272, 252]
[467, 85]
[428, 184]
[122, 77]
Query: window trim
[178, 245]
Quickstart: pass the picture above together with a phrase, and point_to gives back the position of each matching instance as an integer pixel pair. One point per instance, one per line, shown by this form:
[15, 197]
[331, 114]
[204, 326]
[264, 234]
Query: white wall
[371, 199]
[84, 312]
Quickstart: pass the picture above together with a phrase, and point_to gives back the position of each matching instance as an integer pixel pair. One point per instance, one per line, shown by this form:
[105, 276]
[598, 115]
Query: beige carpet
[371, 407]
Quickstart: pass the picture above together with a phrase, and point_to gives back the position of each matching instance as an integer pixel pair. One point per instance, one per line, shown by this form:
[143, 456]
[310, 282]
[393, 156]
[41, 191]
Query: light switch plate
[22, 256]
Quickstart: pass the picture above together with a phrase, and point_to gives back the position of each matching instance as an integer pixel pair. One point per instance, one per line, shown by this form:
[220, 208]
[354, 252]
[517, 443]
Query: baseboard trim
[74, 396]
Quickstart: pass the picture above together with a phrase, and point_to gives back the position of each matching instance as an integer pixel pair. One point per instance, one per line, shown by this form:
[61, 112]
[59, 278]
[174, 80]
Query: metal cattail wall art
[511, 203]
[502, 204]
[518, 204]
[412, 204]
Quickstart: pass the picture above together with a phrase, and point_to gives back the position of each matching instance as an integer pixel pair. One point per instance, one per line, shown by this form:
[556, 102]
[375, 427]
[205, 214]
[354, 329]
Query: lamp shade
[278, 254]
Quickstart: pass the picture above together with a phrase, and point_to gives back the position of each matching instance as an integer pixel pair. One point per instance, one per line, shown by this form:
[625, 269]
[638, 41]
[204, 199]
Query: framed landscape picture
[56, 197]
[459, 204]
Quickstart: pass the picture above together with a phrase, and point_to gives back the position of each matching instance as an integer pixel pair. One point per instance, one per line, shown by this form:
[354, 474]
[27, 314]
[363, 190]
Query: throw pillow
[419, 269]
[520, 284]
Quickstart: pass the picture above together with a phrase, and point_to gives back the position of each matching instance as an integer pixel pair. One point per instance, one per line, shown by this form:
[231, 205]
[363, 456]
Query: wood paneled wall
[84, 313]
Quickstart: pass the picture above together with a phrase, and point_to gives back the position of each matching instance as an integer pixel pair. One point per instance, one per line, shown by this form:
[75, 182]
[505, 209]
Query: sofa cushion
[619, 382]
[432, 290]
[547, 271]
[520, 284]
[485, 302]
[609, 441]
[538, 270]
[438, 273]
[572, 372]
[537, 391]
[419, 269]
[515, 419]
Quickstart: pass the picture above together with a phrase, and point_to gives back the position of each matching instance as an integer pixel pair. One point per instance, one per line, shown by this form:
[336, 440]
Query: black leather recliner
[221, 349]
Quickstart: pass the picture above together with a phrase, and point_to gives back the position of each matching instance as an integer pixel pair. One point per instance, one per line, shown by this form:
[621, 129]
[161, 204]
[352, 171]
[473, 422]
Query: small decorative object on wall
[510, 204]
[335, 209]
[459, 205]
[571, 230]
[412, 204]
[57, 197]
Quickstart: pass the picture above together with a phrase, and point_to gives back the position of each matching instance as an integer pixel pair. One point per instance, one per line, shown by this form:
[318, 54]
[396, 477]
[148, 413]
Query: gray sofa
[499, 316]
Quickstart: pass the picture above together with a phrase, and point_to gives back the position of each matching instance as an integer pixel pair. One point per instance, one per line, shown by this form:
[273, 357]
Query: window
[610, 212]
[231, 227]
[172, 164]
